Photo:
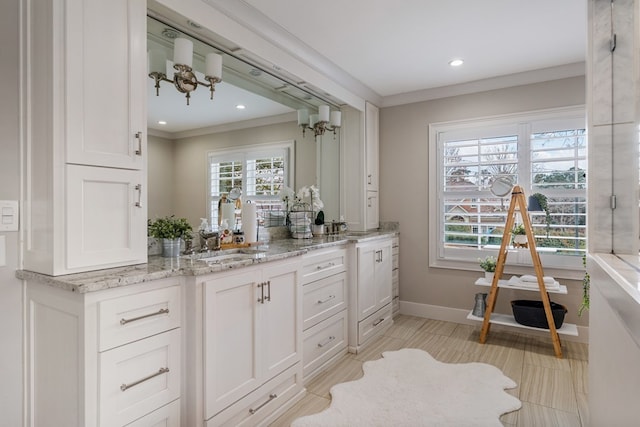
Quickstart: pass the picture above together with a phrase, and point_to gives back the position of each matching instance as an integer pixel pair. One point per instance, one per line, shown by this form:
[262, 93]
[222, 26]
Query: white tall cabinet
[370, 312]
[85, 173]
[361, 167]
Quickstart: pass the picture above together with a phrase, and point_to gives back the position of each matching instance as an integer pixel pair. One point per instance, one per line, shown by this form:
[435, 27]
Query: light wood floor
[553, 391]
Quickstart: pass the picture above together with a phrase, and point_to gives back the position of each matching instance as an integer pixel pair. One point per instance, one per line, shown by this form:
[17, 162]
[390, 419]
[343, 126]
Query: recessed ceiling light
[162, 122]
[240, 107]
[456, 62]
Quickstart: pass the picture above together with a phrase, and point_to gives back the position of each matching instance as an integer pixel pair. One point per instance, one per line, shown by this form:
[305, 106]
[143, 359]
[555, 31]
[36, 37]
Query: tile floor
[553, 391]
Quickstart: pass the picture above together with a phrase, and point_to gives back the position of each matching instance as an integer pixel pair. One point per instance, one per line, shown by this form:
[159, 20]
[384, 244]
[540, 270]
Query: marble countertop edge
[159, 267]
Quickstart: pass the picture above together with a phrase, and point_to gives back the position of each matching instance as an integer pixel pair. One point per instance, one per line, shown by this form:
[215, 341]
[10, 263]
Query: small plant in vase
[519, 236]
[488, 264]
[318, 225]
[170, 230]
[539, 202]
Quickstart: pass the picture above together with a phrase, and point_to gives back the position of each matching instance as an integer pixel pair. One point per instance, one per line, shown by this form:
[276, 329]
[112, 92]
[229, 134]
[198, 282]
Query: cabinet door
[106, 219]
[366, 281]
[372, 145]
[383, 280]
[106, 82]
[280, 319]
[230, 334]
[373, 209]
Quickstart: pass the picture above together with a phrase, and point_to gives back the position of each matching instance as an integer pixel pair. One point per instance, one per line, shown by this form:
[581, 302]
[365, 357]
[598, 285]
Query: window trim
[247, 151]
[523, 260]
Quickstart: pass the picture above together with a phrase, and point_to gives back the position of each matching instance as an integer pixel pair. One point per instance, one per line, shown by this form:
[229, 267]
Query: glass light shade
[336, 118]
[323, 113]
[303, 116]
[157, 61]
[183, 52]
[313, 119]
[213, 65]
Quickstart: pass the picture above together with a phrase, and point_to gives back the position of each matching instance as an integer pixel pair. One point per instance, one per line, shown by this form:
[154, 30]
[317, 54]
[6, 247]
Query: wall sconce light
[184, 78]
[325, 120]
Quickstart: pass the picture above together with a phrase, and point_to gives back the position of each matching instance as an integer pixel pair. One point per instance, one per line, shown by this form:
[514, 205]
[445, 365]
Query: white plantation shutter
[542, 152]
[260, 173]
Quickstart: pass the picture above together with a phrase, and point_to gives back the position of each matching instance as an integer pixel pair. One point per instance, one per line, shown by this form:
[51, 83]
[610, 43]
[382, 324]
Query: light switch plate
[9, 215]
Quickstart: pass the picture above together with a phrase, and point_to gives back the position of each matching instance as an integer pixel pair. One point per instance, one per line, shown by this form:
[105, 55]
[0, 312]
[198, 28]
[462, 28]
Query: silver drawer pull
[327, 341]
[161, 371]
[322, 267]
[377, 322]
[139, 138]
[271, 397]
[138, 188]
[144, 316]
[327, 299]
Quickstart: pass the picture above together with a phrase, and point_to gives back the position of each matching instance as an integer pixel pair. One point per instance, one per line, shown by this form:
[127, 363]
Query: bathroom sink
[230, 255]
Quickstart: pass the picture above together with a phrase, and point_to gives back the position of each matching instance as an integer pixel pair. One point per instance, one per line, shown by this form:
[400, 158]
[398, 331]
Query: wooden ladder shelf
[518, 204]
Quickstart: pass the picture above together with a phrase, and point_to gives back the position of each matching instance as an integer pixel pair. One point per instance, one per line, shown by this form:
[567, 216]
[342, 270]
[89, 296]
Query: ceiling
[393, 48]
[403, 46]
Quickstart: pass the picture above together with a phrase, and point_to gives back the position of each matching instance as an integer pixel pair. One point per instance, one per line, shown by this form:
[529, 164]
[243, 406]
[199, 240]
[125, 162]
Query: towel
[531, 282]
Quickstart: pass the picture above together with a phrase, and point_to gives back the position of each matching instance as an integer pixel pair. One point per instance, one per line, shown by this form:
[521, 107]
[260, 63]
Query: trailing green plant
[169, 227]
[544, 204]
[519, 230]
[488, 264]
[586, 286]
[319, 218]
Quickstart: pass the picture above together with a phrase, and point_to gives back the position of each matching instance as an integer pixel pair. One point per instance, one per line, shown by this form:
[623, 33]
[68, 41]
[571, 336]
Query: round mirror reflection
[501, 186]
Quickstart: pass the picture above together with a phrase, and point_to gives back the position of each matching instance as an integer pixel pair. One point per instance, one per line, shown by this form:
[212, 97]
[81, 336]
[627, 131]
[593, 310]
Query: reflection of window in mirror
[260, 173]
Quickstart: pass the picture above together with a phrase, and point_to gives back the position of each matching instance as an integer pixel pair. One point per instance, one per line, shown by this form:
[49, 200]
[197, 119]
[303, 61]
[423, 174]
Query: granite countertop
[159, 267]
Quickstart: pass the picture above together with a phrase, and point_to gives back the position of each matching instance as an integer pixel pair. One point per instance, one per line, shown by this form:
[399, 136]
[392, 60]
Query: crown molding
[500, 82]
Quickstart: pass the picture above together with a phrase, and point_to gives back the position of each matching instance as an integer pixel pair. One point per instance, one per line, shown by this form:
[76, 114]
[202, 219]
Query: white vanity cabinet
[85, 173]
[395, 274]
[251, 330]
[324, 309]
[372, 294]
[104, 358]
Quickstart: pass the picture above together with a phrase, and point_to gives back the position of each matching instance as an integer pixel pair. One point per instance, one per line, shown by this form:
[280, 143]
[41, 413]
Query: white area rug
[409, 388]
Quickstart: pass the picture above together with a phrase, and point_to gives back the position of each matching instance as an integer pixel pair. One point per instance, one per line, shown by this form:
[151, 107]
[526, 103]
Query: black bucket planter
[531, 313]
[534, 204]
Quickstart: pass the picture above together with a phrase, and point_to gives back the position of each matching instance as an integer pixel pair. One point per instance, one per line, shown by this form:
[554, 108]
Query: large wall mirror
[181, 137]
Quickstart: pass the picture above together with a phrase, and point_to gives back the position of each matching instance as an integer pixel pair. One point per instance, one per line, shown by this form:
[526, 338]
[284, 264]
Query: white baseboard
[458, 315]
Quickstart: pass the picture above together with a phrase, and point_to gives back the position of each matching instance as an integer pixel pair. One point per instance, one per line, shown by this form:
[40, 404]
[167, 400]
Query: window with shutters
[260, 172]
[543, 152]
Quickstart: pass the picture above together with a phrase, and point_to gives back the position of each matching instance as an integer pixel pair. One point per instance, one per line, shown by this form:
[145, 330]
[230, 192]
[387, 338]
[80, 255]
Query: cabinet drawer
[324, 341]
[259, 404]
[167, 416]
[377, 322]
[323, 299]
[138, 378]
[318, 265]
[133, 317]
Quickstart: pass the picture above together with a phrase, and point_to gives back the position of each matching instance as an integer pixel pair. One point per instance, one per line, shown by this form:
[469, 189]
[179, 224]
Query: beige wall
[160, 176]
[190, 160]
[404, 147]
[11, 367]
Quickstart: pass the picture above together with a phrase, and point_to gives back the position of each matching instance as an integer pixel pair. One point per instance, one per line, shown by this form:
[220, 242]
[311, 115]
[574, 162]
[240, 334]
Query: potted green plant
[170, 230]
[537, 203]
[488, 264]
[318, 227]
[519, 236]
